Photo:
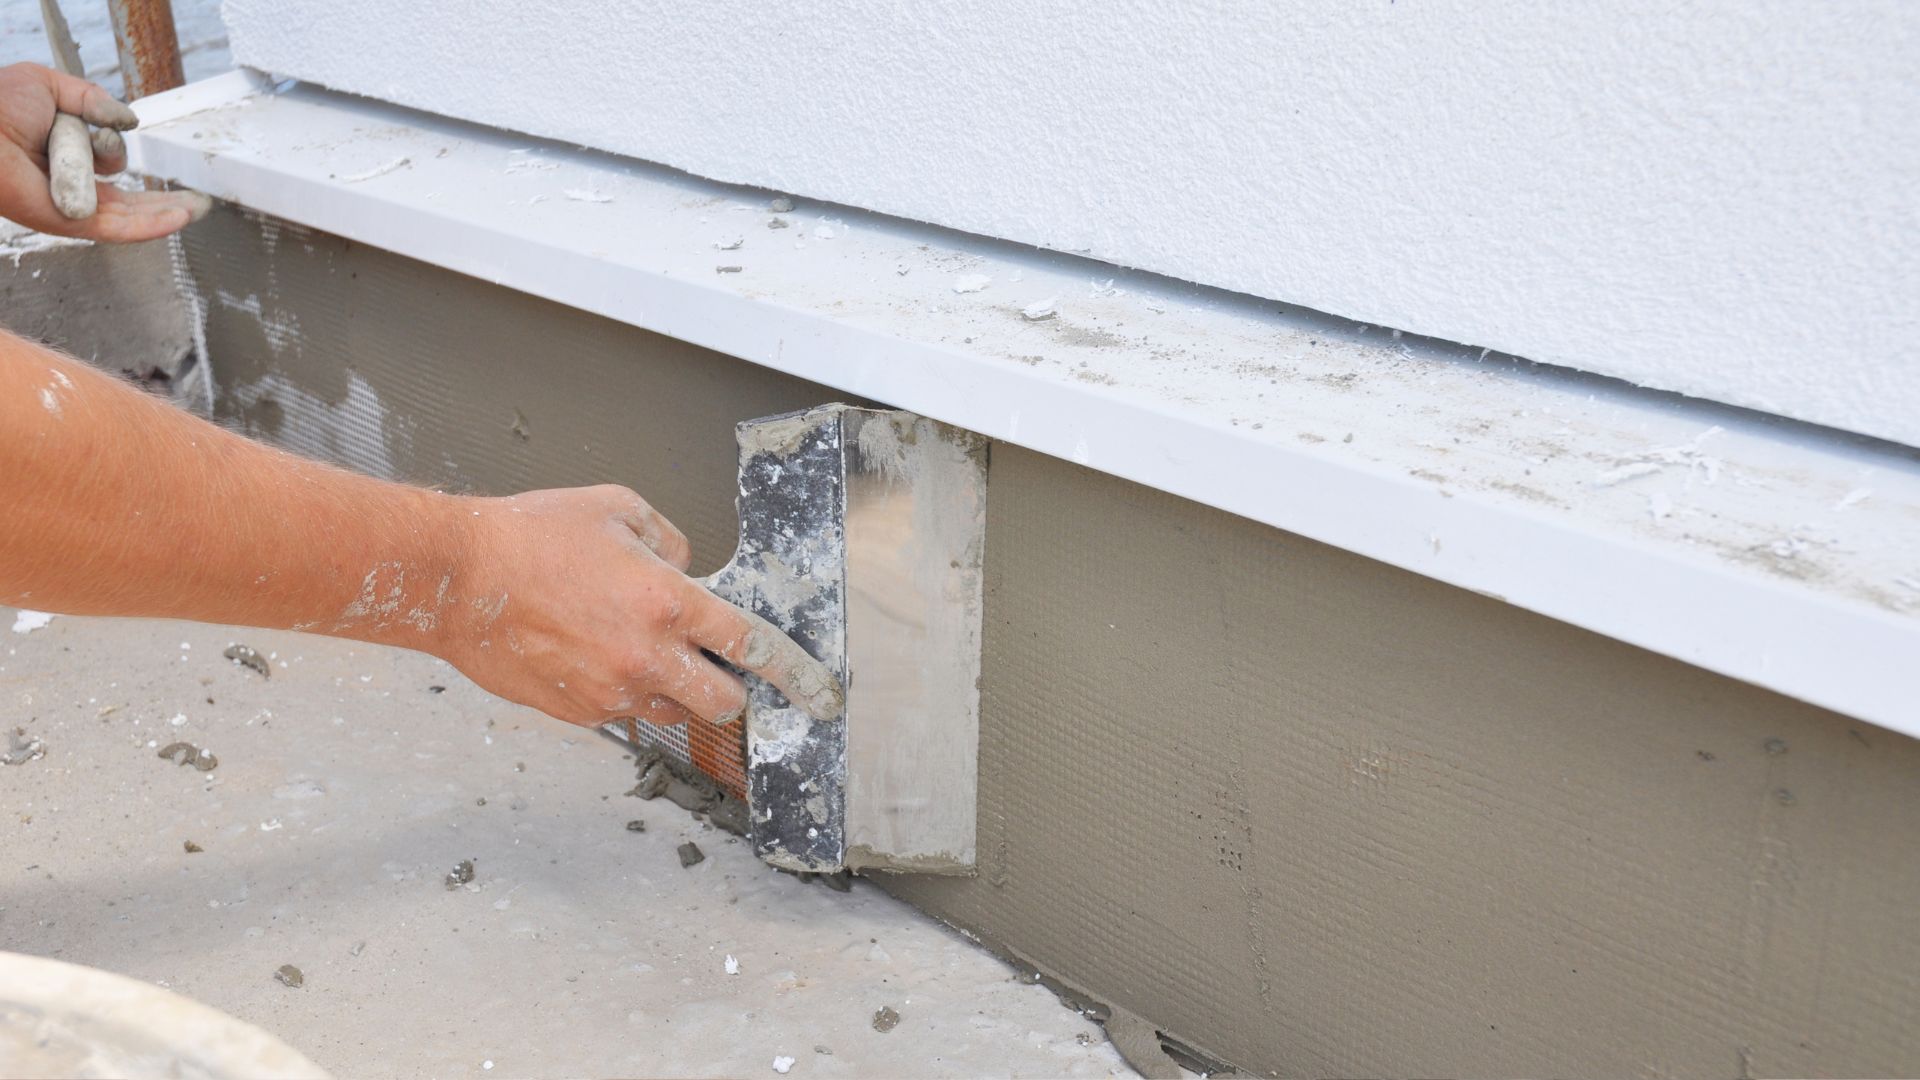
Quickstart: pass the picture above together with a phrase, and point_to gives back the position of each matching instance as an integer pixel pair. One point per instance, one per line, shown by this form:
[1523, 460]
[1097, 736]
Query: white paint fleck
[270, 825]
[50, 401]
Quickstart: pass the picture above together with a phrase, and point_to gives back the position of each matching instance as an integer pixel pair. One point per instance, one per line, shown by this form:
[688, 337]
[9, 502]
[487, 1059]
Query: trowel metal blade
[862, 534]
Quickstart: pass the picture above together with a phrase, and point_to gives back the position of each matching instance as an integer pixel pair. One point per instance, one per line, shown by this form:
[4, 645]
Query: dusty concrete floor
[345, 791]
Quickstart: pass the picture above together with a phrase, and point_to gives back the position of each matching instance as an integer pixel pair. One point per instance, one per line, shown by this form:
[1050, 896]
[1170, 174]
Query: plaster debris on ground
[577, 948]
[246, 657]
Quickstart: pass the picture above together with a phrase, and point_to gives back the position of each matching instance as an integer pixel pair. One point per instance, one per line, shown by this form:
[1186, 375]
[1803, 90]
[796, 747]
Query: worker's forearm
[117, 503]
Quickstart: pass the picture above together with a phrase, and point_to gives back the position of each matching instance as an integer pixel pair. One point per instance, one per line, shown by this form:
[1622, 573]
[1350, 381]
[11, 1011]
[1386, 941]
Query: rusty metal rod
[149, 46]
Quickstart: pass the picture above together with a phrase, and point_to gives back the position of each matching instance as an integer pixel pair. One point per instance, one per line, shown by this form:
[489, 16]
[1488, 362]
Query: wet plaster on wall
[357, 386]
[1297, 810]
[112, 305]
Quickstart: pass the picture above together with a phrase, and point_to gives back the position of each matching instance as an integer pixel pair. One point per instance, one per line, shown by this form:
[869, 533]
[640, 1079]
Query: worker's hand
[30, 95]
[578, 604]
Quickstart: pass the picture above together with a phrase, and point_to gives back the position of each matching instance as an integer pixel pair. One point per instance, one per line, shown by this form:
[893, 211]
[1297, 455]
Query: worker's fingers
[195, 204]
[86, 100]
[109, 151]
[120, 217]
[706, 689]
[662, 711]
[128, 217]
[655, 531]
[752, 643]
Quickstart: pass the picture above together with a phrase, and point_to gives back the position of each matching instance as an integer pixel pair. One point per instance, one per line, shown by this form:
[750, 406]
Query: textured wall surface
[1301, 811]
[1718, 198]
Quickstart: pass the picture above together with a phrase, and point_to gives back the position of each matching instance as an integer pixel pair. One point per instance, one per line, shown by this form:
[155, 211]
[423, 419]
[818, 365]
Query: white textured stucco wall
[1719, 198]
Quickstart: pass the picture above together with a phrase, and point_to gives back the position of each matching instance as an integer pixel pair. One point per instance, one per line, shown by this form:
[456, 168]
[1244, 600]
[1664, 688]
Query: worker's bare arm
[574, 601]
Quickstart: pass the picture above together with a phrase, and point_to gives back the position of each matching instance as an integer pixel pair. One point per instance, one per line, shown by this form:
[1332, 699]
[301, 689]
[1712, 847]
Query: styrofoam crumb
[782, 1063]
[381, 169]
[1853, 498]
[970, 283]
[26, 622]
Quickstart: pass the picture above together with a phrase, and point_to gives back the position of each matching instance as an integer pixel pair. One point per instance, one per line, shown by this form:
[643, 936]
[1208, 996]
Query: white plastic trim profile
[1779, 554]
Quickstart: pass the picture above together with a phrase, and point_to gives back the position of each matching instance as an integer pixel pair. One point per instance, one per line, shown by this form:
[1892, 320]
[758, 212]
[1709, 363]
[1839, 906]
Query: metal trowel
[861, 535]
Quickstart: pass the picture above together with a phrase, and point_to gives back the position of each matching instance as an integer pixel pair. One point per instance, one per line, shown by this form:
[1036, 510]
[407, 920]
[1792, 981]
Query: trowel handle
[70, 167]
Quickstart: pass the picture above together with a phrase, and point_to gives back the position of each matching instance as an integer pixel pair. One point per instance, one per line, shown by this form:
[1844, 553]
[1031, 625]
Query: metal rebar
[149, 46]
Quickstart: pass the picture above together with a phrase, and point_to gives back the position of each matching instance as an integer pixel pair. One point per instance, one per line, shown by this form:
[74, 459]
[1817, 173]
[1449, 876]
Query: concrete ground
[346, 790]
[348, 786]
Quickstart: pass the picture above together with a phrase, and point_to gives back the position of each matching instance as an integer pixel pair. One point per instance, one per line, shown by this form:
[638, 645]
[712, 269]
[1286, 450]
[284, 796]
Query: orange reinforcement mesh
[719, 751]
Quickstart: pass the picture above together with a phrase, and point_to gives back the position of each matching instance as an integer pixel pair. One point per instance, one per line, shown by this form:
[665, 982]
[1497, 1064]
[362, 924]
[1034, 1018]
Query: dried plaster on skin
[50, 398]
[382, 592]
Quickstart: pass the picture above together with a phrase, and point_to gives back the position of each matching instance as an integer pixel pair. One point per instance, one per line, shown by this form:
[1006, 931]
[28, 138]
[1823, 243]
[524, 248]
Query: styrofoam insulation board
[1706, 198]
[1776, 553]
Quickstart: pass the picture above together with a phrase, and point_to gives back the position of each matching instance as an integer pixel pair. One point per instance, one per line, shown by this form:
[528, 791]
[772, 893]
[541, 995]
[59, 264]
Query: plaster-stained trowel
[70, 148]
[861, 535]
